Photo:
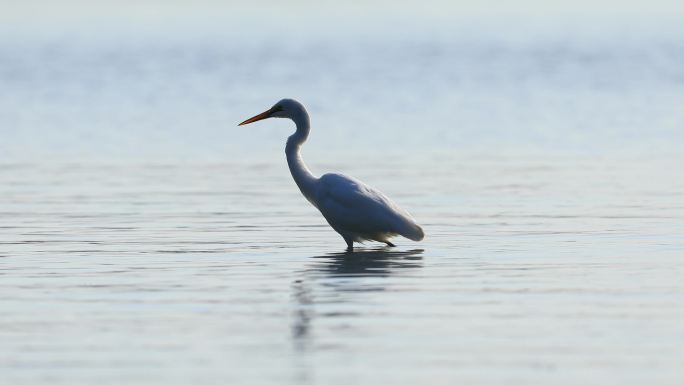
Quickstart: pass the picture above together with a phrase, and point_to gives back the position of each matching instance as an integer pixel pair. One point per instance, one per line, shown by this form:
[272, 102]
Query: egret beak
[263, 115]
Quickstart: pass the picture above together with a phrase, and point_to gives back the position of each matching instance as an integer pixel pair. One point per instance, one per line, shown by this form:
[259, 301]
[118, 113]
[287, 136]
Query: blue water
[145, 238]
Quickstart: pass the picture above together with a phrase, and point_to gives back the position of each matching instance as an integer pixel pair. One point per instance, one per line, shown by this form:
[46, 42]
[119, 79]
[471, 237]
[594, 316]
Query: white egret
[356, 211]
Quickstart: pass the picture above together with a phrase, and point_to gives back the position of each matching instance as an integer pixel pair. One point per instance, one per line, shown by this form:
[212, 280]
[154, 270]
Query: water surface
[146, 239]
[222, 272]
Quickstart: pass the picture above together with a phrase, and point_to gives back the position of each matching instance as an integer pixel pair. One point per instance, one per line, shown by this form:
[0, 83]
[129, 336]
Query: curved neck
[300, 173]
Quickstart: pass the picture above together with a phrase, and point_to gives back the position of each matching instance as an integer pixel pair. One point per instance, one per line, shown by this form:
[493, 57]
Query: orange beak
[263, 115]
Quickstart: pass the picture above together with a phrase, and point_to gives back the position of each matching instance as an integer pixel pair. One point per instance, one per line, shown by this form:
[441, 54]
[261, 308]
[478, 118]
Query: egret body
[356, 211]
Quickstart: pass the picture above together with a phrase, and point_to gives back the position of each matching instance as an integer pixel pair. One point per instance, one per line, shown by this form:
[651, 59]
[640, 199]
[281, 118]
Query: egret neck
[300, 173]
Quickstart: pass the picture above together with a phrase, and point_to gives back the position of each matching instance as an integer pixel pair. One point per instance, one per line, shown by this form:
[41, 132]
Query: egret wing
[350, 205]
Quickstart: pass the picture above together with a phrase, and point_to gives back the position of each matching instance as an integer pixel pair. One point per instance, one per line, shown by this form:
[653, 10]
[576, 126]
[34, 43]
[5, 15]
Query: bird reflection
[372, 262]
[320, 283]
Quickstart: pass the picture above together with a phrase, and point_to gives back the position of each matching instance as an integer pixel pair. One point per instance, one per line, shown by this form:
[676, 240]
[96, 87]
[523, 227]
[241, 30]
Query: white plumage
[353, 209]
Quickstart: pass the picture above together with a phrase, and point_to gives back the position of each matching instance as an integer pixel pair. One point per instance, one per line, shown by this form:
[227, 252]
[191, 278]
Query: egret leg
[390, 244]
[350, 244]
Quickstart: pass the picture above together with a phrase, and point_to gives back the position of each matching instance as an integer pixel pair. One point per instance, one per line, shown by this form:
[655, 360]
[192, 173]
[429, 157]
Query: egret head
[286, 108]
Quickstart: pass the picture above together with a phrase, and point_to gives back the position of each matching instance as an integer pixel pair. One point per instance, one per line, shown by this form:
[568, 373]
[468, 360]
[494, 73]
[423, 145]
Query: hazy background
[169, 80]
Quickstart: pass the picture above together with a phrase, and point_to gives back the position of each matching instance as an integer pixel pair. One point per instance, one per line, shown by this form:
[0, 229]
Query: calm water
[146, 239]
